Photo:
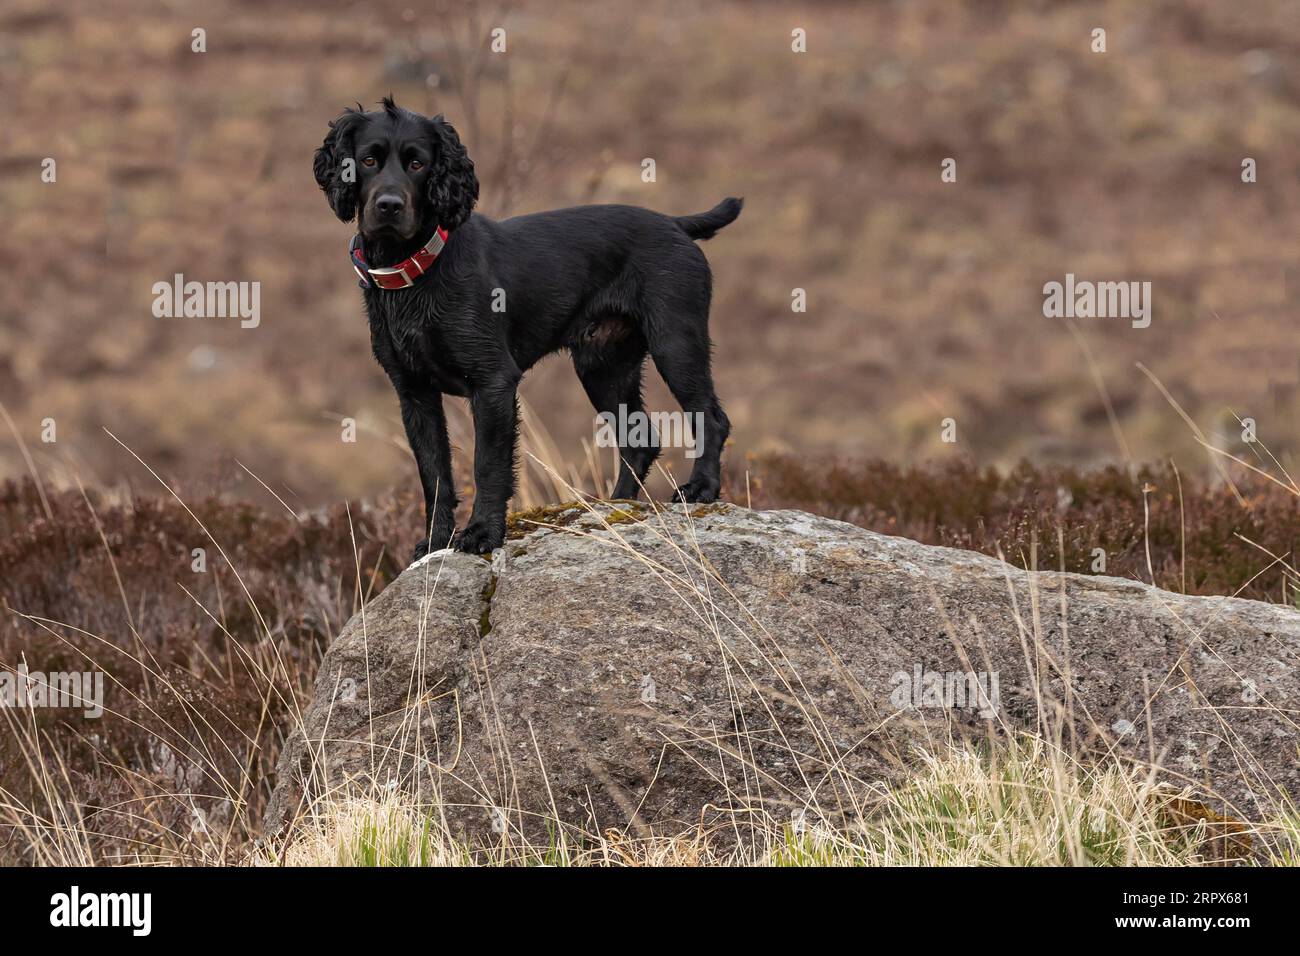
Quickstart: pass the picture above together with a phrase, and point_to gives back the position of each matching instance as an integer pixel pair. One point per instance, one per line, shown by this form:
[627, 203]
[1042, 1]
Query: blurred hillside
[924, 298]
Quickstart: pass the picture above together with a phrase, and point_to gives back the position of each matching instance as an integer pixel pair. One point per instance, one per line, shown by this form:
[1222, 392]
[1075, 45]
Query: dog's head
[397, 172]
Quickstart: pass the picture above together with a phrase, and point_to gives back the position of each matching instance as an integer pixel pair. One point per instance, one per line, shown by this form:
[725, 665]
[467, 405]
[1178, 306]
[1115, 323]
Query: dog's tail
[705, 225]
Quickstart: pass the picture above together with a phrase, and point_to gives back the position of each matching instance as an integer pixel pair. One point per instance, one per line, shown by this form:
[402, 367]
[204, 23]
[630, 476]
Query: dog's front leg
[426, 430]
[496, 421]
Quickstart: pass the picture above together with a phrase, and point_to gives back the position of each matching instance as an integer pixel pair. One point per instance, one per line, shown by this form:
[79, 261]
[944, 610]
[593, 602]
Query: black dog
[469, 315]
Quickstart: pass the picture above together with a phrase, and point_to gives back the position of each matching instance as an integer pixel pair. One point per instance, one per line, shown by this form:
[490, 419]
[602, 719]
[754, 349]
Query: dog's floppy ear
[336, 168]
[453, 187]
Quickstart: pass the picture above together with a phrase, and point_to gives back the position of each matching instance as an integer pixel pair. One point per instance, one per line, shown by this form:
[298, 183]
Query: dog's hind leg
[615, 390]
[683, 360]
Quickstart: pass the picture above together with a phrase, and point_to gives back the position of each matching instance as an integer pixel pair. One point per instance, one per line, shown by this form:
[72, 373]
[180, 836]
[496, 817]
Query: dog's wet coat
[611, 284]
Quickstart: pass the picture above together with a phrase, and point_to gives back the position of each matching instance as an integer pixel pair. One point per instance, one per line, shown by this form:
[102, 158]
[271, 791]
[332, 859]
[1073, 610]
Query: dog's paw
[480, 537]
[697, 491]
[434, 542]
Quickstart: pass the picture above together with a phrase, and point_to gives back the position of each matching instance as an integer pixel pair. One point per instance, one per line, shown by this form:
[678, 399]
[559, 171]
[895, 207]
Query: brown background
[924, 298]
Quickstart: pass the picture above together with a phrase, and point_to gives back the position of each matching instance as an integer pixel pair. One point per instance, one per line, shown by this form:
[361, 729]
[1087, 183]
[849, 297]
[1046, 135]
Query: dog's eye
[416, 164]
[370, 162]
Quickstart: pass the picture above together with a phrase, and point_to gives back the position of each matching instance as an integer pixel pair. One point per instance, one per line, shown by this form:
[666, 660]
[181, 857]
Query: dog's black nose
[389, 205]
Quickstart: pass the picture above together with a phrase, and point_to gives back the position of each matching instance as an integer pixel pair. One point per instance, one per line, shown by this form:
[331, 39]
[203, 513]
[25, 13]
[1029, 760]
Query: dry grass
[207, 672]
[1026, 804]
[1154, 524]
[924, 303]
[1023, 800]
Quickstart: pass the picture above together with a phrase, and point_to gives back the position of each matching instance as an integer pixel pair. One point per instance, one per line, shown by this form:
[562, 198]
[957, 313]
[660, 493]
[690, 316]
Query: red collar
[402, 275]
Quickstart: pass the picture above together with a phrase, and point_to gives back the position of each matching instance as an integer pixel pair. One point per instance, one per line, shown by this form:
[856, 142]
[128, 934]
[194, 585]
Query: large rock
[627, 669]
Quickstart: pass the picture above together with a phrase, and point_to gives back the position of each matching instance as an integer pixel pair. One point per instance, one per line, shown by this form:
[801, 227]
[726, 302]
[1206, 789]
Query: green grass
[1024, 802]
